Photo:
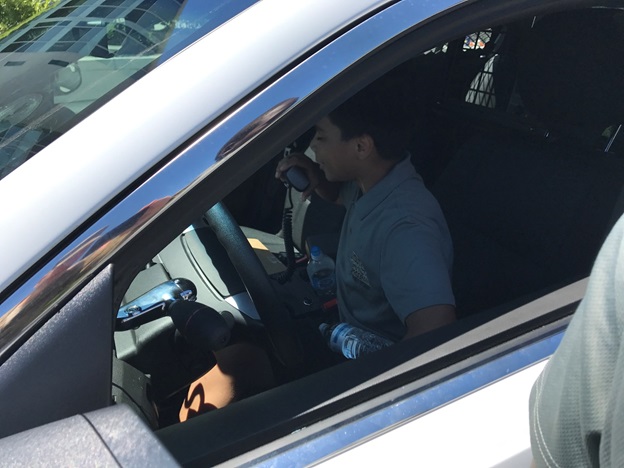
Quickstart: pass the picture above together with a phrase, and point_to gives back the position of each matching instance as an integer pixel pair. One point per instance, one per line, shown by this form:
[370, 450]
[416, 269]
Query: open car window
[62, 64]
[512, 175]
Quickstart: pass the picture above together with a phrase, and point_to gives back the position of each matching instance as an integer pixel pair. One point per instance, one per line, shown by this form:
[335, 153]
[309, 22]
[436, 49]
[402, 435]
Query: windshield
[60, 65]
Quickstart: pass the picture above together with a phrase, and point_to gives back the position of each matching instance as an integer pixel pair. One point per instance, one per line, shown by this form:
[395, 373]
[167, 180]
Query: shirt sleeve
[416, 251]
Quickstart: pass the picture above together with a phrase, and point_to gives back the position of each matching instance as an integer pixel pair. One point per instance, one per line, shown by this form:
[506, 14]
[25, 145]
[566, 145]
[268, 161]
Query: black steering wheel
[273, 313]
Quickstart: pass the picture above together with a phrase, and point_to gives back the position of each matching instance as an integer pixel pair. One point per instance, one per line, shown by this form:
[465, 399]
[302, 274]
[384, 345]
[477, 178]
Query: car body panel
[489, 428]
[106, 437]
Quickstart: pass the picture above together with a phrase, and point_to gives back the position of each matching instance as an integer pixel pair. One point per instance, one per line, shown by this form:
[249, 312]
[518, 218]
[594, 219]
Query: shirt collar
[401, 172]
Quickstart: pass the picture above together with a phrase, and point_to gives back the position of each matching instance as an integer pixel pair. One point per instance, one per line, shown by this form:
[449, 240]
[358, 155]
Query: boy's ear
[364, 146]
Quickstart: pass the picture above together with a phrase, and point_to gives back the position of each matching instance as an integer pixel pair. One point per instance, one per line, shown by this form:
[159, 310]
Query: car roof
[56, 191]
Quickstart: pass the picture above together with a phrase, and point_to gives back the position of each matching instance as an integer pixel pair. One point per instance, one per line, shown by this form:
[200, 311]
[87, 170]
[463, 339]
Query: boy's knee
[242, 370]
[248, 366]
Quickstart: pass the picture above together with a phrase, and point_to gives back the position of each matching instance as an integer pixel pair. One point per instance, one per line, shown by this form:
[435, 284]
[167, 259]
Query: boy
[394, 258]
[394, 255]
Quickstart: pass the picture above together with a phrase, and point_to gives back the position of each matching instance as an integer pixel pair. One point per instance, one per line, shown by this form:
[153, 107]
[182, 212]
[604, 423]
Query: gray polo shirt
[577, 403]
[395, 253]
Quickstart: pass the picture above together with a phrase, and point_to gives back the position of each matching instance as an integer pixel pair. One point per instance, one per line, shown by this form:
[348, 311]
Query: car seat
[528, 213]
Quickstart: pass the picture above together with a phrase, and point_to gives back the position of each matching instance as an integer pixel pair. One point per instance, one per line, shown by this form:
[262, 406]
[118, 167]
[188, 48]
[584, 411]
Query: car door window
[503, 256]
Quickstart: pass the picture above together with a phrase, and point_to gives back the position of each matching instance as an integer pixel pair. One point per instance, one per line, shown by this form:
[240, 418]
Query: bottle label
[338, 336]
[353, 342]
[351, 348]
[324, 280]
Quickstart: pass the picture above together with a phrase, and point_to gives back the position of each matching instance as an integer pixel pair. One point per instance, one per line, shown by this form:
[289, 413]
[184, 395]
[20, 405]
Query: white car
[138, 145]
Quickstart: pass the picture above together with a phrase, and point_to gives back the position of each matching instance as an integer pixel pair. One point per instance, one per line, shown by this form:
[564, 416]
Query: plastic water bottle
[321, 271]
[351, 341]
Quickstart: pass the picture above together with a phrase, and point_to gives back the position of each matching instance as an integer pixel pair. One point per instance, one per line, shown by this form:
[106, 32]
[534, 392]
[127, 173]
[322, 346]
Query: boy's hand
[311, 169]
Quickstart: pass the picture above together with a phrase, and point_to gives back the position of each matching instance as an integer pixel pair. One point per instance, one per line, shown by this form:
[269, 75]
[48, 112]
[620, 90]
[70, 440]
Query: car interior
[518, 138]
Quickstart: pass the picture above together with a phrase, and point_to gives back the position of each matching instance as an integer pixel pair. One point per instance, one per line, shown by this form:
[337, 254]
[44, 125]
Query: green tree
[14, 12]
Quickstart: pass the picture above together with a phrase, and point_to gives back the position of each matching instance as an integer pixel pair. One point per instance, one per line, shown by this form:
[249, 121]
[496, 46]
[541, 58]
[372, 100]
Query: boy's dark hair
[383, 111]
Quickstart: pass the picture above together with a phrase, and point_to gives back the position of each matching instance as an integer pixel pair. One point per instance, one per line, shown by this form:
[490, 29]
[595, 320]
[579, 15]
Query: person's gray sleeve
[577, 405]
[415, 273]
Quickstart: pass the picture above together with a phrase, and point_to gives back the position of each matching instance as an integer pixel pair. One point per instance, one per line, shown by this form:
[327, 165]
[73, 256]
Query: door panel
[65, 367]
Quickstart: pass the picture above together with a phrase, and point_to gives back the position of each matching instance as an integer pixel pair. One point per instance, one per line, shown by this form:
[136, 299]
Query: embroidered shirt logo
[358, 271]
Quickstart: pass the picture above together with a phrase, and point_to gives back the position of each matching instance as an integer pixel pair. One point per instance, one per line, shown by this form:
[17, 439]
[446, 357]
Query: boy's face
[335, 155]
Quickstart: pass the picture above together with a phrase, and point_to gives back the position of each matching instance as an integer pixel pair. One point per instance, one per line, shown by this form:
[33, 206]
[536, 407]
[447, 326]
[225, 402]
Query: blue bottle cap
[315, 251]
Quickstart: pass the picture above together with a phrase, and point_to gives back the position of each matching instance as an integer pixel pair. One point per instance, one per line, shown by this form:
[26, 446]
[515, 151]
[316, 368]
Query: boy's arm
[318, 183]
[429, 318]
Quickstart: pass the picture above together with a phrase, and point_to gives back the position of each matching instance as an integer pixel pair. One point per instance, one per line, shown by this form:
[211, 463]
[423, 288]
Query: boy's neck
[373, 171]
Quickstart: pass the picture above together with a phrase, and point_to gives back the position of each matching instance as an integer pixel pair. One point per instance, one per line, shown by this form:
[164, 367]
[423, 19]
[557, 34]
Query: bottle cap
[315, 252]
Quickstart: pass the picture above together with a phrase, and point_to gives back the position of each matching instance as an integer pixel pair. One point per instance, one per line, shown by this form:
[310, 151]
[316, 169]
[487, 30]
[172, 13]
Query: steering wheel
[273, 314]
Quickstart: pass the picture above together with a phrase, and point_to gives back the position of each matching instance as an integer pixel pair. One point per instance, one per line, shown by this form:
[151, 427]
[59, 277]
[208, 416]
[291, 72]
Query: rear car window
[60, 65]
